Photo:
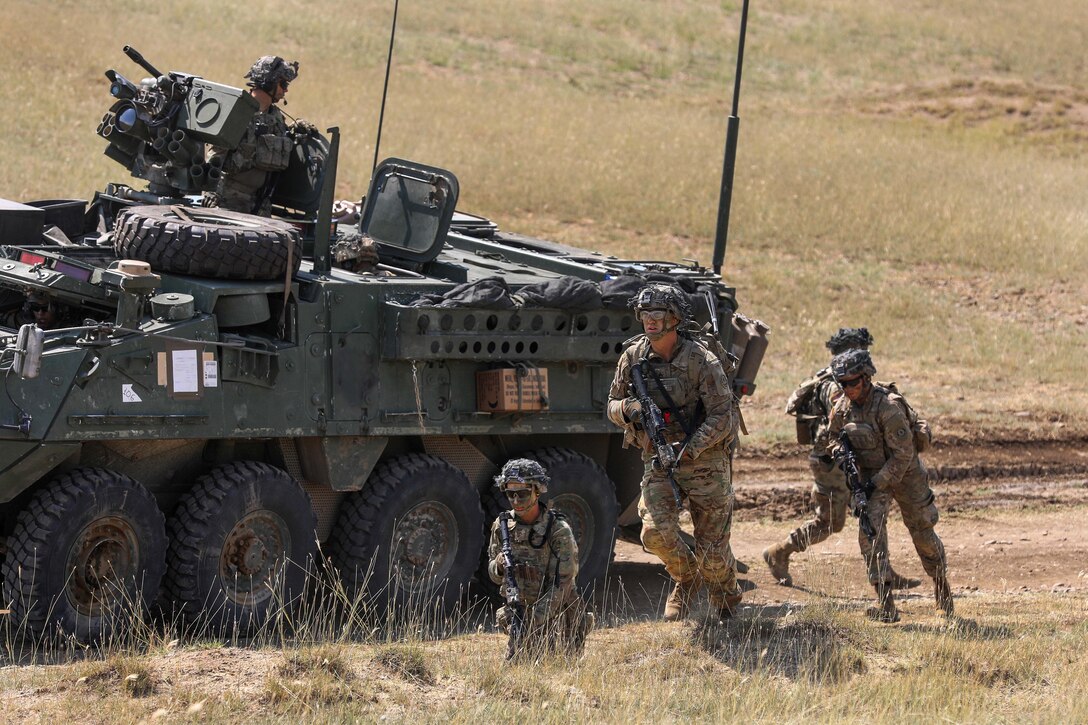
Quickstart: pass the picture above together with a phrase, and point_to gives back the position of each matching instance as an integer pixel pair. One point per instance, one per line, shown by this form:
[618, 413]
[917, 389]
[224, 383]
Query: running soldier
[886, 435]
[812, 403]
[691, 386]
[250, 170]
[545, 558]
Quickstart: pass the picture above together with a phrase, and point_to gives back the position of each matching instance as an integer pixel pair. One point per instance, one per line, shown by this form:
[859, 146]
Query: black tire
[411, 538]
[241, 543]
[207, 242]
[585, 495]
[86, 555]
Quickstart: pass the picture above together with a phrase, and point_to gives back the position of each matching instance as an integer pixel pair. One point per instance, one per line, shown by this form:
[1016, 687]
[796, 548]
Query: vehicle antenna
[385, 88]
[728, 166]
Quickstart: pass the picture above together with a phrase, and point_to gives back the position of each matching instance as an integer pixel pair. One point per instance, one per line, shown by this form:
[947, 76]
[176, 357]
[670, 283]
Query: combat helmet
[849, 338]
[269, 71]
[851, 363]
[37, 298]
[523, 470]
[660, 296]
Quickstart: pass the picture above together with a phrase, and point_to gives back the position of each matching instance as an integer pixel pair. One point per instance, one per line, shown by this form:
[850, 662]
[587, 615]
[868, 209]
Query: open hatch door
[408, 210]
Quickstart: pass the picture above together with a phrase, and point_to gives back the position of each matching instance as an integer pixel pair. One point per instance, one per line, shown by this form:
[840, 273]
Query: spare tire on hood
[207, 242]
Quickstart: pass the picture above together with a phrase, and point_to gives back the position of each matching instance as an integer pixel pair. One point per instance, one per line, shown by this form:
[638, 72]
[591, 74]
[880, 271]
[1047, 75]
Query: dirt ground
[1014, 518]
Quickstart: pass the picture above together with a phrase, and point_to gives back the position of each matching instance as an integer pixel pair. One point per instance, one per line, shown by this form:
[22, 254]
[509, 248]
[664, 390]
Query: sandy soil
[1014, 517]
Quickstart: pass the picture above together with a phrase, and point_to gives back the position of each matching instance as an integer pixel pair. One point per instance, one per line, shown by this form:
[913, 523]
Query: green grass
[867, 192]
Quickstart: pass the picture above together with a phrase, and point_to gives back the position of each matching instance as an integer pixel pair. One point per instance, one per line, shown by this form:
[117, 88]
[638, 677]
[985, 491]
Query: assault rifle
[513, 595]
[653, 422]
[859, 490]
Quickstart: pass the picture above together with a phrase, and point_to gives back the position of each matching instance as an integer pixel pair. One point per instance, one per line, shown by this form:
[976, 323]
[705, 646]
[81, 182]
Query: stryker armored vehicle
[218, 395]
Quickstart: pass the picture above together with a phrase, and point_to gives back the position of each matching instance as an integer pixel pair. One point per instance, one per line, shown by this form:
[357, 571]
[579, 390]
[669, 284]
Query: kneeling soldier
[545, 566]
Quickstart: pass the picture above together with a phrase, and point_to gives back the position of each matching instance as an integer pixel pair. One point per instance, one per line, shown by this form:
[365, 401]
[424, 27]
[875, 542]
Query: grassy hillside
[914, 167]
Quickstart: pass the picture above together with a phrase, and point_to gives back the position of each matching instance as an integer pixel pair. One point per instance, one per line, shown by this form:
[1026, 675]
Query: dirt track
[1014, 517]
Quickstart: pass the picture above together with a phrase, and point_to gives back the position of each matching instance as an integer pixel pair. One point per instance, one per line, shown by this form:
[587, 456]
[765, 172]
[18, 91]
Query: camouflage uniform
[830, 493]
[881, 436]
[556, 615]
[248, 177]
[248, 170]
[693, 375]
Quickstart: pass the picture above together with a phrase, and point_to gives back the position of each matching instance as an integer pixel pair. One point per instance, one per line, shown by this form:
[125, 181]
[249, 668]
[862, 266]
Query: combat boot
[885, 611]
[778, 560]
[680, 599]
[724, 607]
[898, 581]
[942, 591]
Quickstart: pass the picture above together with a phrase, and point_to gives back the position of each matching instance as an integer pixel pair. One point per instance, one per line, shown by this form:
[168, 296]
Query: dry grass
[882, 179]
[1004, 658]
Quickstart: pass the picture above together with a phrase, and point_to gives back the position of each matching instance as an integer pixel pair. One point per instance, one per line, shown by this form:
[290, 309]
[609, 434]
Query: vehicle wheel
[411, 536]
[207, 242]
[86, 555]
[585, 495]
[241, 541]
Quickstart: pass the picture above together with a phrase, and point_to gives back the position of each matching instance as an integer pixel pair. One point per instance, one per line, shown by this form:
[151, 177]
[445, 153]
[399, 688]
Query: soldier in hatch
[812, 403]
[40, 309]
[691, 386]
[882, 433]
[545, 559]
[250, 170]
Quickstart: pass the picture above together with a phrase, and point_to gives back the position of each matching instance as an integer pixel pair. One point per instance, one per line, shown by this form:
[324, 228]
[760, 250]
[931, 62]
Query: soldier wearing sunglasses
[545, 557]
[692, 388]
[250, 170]
[812, 403]
[881, 435]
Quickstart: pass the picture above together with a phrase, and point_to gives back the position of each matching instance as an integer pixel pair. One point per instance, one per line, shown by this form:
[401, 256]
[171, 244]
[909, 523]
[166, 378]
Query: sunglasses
[656, 315]
[521, 494]
[39, 308]
[851, 382]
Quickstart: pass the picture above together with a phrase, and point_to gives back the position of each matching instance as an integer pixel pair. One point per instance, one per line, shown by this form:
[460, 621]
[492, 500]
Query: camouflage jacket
[555, 554]
[881, 436]
[265, 147]
[693, 375]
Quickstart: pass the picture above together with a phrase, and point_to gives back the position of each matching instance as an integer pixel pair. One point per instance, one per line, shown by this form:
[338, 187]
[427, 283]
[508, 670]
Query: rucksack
[919, 427]
[802, 404]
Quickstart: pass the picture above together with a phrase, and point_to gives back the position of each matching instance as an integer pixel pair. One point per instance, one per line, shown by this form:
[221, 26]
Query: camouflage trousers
[551, 627]
[830, 496]
[919, 509]
[707, 486]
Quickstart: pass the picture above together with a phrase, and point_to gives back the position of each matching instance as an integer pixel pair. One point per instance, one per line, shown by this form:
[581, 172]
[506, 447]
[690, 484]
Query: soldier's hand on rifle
[632, 409]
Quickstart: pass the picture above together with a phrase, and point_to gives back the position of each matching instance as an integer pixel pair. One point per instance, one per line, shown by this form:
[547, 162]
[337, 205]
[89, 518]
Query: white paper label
[211, 374]
[129, 395]
[184, 366]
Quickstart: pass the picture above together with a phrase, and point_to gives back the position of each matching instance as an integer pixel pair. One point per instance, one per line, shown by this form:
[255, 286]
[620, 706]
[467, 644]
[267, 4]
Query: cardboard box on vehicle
[512, 389]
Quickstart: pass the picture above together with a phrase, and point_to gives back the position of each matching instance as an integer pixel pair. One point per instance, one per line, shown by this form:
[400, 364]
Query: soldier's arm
[720, 423]
[898, 442]
[494, 553]
[618, 392]
[565, 550]
[834, 426]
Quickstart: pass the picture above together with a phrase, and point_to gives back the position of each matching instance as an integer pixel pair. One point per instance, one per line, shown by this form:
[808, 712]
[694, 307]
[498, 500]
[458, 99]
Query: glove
[632, 409]
[302, 127]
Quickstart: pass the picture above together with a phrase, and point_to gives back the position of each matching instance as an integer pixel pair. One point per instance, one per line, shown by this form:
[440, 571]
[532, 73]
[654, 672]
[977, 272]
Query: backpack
[919, 427]
[802, 404]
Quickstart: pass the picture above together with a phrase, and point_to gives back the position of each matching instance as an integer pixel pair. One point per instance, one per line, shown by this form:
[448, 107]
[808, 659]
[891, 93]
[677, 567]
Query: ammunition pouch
[273, 153]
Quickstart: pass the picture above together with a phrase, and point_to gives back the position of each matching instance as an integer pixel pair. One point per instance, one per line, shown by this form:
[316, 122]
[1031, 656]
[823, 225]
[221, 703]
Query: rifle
[513, 595]
[859, 490]
[653, 422]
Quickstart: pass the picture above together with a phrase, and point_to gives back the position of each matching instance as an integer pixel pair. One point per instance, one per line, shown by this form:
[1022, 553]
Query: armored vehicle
[216, 401]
